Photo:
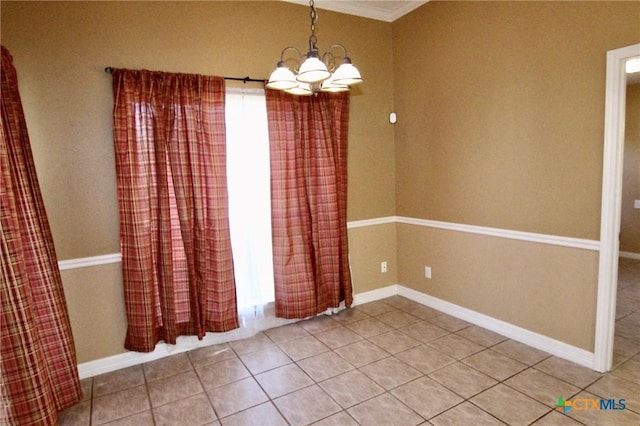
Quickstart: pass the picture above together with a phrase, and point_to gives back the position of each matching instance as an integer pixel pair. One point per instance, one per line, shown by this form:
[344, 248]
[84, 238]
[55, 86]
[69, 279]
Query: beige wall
[630, 223]
[500, 124]
[60, 50]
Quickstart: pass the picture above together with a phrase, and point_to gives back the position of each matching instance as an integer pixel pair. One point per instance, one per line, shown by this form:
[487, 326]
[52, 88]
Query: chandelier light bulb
[315, 72]
[282, 78]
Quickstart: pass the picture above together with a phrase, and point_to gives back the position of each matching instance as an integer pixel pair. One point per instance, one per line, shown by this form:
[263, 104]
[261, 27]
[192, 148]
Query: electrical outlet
[383, 267]
[427, 272]
[636, 204]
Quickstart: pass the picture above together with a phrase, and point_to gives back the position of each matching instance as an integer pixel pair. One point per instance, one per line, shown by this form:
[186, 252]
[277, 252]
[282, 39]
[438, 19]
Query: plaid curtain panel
[169, 135]
[308, 140]
[38, 368]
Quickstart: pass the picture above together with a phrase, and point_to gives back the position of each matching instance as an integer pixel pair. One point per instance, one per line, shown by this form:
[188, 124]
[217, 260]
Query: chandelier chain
[313, 15]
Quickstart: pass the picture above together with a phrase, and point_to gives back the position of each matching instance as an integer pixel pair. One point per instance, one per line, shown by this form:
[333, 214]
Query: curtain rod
[243, 79]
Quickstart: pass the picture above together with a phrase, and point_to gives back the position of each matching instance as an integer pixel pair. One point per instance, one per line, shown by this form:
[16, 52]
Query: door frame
[614, 122]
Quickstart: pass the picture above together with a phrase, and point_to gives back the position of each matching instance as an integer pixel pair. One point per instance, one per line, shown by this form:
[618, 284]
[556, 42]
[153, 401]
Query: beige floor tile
[306, 406]
[283, 380]
[394, 341]
[266, 359]
[400, 302]
[195, 410]
[166, 367]
[258, 342]
[369, 327]
[568, 371]
[422, 312]
[120, 404]
[303, 348]
[627, 328]
[463, 380]
[118, 380]
[424, 331]
[261, 415]
[237, 396]
[531, 378]
[626, 347]
[211, 354]
[629, 370]
[520, 352]
[397, 319]
[494, 364]
[337, 337]
[425, 359]
[554, 418]
[510, 406]
[375, 308]
[611, 386]
[351, 388]
[481, 336]
[141, 419]
[87, 388]
[76, 415]
[542, 387]
[362, 353]
[286, 333]
[390, 372]
[222, 373]
[603, 417]
[318, 324]
[465, 414]
[426, 397]
[456, 346]
[350, 315]
[449, 323]
[324, 366]
[384, 410]
[173, 388]
[338, 419]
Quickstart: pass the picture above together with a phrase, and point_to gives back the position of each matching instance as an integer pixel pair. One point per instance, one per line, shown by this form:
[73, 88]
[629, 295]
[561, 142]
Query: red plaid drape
[308, 138]
[169, 134]
[38, 372]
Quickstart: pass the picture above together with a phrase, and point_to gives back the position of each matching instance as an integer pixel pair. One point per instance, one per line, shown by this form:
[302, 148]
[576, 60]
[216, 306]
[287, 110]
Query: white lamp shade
[301, 89]
[329, 86]
[347, 74]
[282, 79]
[313, 70]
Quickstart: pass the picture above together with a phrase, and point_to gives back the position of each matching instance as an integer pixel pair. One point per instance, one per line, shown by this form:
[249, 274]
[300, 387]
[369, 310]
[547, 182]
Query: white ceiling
[381, 10]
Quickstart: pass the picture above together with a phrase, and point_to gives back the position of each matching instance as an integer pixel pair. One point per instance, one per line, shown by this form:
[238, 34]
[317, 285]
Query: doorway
[611, 204]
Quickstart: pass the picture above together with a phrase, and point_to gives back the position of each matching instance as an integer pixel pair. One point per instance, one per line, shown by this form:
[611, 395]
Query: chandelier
[315, 73]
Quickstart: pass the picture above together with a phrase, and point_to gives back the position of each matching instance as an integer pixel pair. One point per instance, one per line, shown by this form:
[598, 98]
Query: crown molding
[387, 11]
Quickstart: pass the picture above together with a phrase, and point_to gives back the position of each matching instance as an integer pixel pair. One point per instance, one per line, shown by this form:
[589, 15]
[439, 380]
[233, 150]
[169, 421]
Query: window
[248, 182]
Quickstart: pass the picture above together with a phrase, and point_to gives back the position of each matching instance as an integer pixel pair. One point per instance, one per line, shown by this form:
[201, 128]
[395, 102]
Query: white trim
[579, 243]
[629, 255]
[522, 335]
[367, 9]
[373, 295]
[555, 240]
[85, 262]
[372, 222]
[611, 209]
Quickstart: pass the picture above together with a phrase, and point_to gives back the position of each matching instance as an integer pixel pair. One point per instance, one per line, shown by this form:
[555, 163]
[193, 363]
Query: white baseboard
[629, 255]
[187, 343]
[522, 335]
[373, 295]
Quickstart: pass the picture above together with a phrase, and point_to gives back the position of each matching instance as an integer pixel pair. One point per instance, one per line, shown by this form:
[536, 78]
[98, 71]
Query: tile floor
[389, 362]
